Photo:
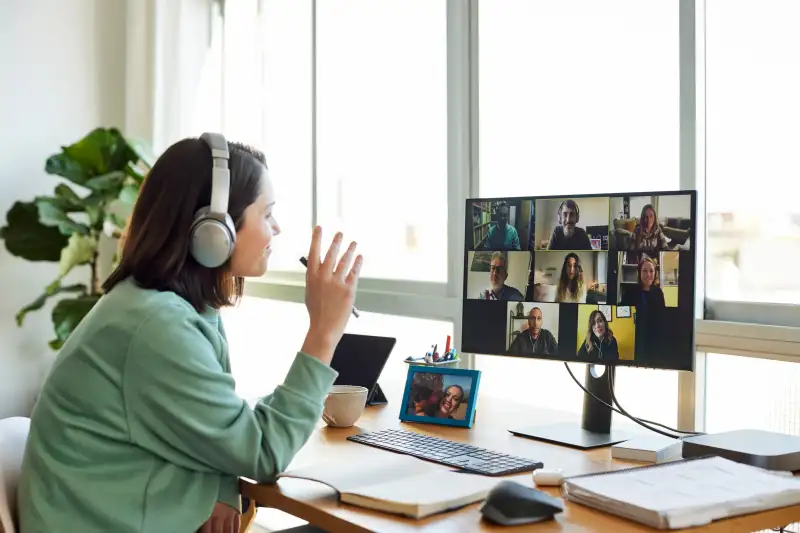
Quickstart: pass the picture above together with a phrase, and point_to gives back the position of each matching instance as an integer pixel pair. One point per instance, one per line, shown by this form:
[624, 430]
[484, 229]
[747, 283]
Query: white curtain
[170, 68]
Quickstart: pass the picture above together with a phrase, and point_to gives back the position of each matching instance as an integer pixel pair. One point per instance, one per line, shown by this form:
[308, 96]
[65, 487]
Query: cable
[622, 412]
[633, 418]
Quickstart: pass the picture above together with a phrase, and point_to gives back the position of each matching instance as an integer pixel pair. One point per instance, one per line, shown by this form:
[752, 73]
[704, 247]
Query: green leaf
[67, 314]
[129, 194]
[52, 290]
[110, 182]
[117, 220]
[143, 150]
[26, 237]
[136, 172]
[67, 199]
[62, 165]
[79, 251]
[98, 153]
[51, 214]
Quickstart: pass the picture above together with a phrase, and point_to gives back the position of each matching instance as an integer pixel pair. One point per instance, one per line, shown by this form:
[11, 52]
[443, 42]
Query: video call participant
[571, 285]
[646, 295]
[567, 235]
[498, 273]
[600, 344]
[502, 235]
[648, 236]
[448, 404]
[533, 339]
[648, 300]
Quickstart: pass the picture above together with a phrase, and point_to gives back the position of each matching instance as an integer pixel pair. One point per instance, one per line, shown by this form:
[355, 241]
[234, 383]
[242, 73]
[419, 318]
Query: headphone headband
[220, 173]
[213, 234]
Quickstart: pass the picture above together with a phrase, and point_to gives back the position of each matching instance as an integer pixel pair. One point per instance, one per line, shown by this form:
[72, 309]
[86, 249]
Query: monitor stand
[595, 428]
[377, 397]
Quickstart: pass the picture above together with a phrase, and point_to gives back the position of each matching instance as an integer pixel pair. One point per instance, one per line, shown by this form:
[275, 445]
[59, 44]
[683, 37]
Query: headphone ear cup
[212, 238]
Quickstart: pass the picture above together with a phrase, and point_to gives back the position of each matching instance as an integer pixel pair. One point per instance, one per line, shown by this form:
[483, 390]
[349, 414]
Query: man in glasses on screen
[534, 339]
[498, 273]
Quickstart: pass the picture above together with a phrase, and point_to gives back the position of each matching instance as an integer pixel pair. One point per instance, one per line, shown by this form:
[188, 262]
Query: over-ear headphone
[577, 210]
[213, 235]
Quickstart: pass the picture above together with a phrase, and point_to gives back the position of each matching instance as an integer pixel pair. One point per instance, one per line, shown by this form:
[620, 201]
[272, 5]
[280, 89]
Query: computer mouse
[511, 504]
[548, 478]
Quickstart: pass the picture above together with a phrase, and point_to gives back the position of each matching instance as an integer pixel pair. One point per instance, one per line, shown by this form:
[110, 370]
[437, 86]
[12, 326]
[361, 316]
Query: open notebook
[399, 484]
[684, 493]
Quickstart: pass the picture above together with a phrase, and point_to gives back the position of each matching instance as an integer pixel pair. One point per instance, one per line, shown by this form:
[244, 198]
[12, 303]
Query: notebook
[398, 484]
[685, 493]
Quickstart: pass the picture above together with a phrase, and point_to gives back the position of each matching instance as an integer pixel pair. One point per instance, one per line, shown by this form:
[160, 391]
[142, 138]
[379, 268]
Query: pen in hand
[305, 264]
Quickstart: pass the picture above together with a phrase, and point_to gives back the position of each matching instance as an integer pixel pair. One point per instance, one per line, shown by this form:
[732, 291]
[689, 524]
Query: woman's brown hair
[155, 252]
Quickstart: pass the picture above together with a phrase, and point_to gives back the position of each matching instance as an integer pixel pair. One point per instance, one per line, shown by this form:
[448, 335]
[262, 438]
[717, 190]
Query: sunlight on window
[382, 138]
[752, 110]
[256, 88]
[265, 335]
[649, 394]
[748, 393]
[578, 97]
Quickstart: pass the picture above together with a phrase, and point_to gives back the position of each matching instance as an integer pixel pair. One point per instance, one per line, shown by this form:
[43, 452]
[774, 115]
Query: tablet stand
[377, 397]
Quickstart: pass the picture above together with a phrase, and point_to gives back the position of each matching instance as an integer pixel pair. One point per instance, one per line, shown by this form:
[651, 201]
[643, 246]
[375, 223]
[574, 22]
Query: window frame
[738, 328]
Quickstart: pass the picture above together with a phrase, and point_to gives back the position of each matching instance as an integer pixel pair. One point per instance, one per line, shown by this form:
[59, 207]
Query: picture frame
[623, 311]
[606, 310]
[431, 391]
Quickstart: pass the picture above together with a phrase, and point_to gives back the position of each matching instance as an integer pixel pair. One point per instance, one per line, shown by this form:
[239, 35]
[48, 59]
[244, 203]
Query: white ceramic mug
[344, 405]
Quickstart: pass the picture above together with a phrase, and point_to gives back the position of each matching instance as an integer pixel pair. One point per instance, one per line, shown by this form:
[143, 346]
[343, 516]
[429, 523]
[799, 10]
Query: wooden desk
[318, 504]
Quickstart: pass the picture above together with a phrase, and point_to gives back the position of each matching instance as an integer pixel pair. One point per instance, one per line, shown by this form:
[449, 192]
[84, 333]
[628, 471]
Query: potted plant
[104, 172]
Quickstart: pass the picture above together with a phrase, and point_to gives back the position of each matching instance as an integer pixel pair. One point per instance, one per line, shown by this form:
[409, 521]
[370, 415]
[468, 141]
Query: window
[752, 115]
[578, 97]
[382, 132]
[648, 394]
[256, 86]
[264, 336]
[750, 393]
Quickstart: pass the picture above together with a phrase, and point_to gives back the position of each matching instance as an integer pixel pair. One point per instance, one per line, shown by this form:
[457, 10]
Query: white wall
[63, 74]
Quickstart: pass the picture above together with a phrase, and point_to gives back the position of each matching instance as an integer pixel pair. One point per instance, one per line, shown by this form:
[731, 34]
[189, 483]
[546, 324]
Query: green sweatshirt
[138, 427]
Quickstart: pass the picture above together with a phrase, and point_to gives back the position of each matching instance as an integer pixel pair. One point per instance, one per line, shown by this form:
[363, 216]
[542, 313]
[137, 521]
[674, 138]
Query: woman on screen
[647, 296]
[600, 344]
[648, 300]
[648, 236]
[571, 285]
[448, 404]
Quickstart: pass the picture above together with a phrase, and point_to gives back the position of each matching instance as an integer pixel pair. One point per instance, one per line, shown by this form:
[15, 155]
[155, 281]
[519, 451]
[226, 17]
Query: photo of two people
[439, 395]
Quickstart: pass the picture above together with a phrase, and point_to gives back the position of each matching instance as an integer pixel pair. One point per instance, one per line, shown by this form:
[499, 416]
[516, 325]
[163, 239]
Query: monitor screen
[606, 279]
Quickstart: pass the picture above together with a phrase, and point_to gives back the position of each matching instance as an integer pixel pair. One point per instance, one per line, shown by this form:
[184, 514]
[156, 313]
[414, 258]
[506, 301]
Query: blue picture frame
[416, 399]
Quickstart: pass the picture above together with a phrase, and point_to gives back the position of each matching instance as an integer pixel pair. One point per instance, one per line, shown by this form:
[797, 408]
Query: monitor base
[571, 435]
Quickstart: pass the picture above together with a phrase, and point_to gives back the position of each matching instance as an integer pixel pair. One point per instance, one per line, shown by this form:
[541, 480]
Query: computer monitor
[603, 279]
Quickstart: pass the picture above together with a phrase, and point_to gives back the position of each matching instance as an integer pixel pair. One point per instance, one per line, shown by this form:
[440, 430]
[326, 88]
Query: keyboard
[447, 452]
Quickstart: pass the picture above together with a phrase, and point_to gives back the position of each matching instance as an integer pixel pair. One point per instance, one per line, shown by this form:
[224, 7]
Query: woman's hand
[330, 295]
[224, 519]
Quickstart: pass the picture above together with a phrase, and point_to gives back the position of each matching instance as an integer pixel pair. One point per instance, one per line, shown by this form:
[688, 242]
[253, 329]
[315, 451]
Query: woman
[447, 404]
[138, 427]
[646, 296]
[600, 344]
[648, 300]
[648, 236]
[571, 285]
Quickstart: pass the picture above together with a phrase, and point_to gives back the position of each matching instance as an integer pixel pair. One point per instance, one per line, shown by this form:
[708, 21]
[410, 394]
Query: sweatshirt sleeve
[182, 405]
